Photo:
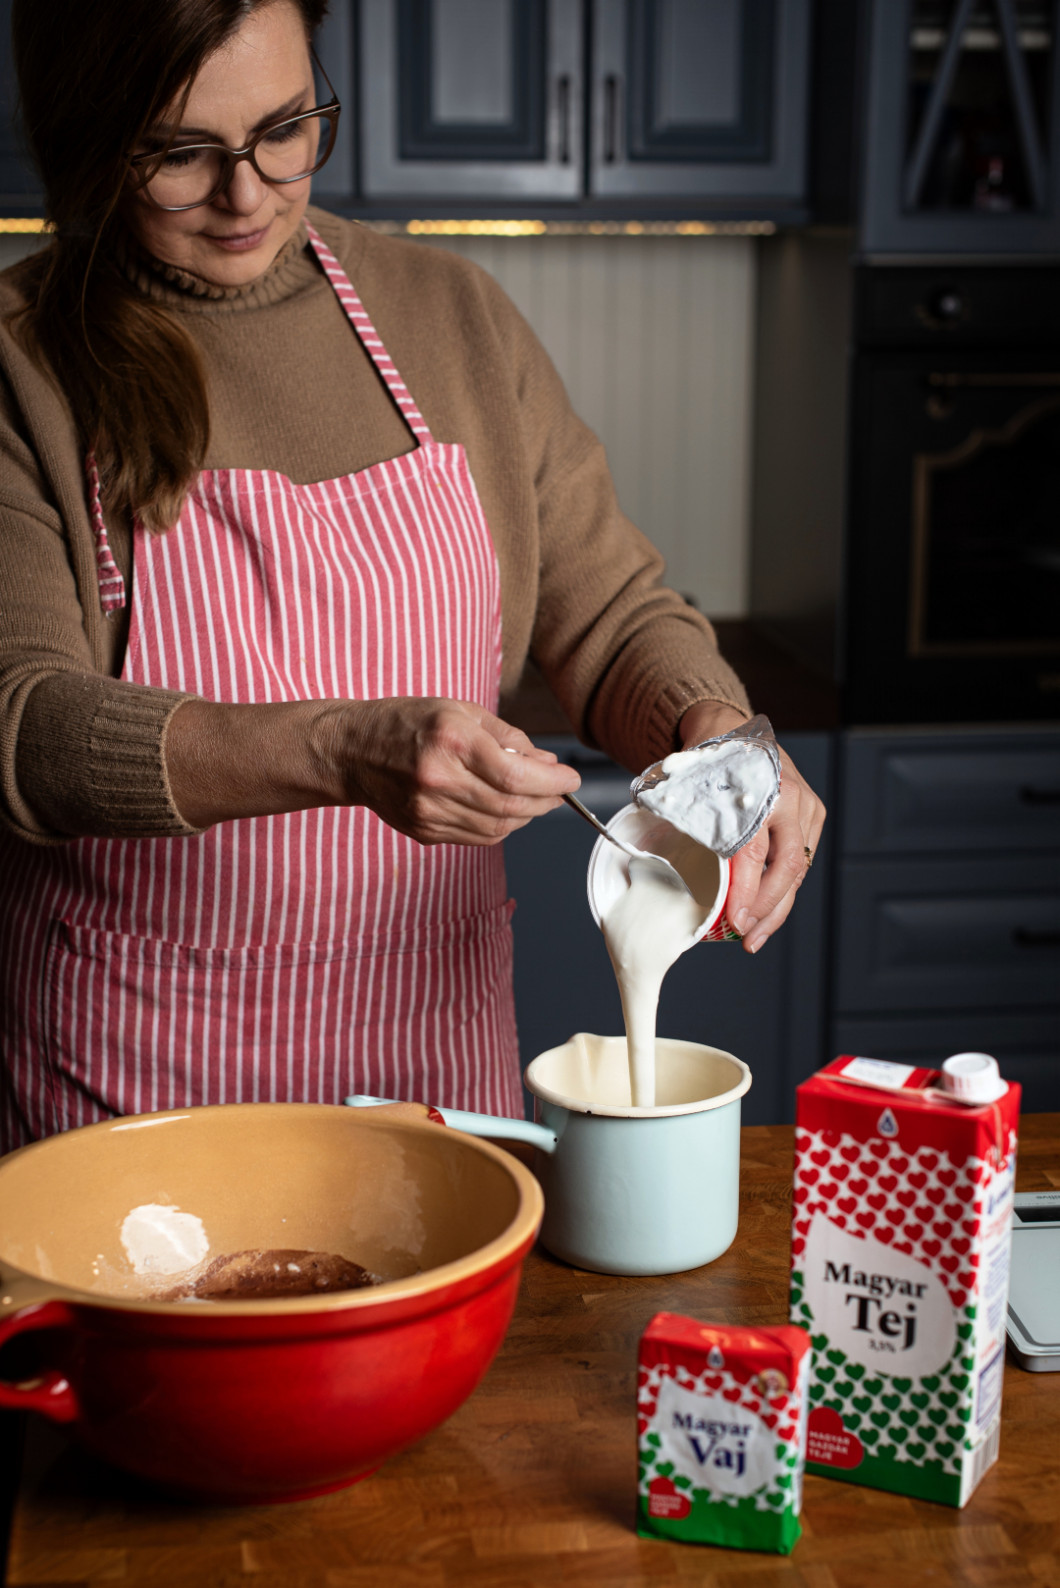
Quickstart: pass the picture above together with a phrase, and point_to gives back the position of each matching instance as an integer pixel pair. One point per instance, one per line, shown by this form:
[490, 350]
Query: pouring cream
[647, 926]
[707, 802]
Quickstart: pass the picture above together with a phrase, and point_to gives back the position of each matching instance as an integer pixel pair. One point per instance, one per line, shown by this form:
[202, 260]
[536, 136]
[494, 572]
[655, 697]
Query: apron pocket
[133, 1025]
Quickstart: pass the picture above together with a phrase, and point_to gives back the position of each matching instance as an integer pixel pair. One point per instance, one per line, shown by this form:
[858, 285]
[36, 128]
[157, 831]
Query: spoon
[642, 858]
[476, 1124]
[655, 864]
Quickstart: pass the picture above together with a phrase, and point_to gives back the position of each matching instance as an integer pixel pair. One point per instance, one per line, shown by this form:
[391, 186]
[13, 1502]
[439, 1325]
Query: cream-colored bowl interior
[401, 1199]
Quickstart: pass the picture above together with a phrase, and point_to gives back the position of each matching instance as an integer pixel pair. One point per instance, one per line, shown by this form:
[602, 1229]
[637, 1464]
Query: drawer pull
[1039, 796]
[1024, 938]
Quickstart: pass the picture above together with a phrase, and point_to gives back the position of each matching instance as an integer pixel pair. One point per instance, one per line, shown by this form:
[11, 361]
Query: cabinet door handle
[1039, 796]
[610, 118]
[563, 109]
[1023, 937]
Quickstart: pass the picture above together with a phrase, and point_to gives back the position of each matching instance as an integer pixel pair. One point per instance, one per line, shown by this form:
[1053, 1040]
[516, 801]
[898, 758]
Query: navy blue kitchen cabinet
[767, 1009]
[940, 120]
[571, 108]
[947, 916]
[471, 99]
[19, 185]
[496, 101]
[706, 100]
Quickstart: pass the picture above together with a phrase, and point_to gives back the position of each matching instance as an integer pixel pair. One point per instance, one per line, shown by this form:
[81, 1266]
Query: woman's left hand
[768, 871]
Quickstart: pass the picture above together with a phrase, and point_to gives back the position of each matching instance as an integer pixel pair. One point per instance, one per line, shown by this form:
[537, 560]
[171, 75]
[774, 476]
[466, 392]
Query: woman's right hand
[442, 771]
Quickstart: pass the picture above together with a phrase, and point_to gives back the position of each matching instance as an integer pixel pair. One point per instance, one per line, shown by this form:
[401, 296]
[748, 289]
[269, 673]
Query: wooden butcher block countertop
[532, 1482]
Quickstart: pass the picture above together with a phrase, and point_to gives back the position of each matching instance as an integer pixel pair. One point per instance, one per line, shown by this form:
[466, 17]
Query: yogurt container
[608, 874]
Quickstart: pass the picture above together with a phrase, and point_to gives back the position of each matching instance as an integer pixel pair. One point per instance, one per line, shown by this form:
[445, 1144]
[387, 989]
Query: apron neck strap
[370, 338]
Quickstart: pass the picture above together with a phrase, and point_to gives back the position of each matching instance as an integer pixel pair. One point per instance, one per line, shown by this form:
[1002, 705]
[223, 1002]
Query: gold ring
[809, 856]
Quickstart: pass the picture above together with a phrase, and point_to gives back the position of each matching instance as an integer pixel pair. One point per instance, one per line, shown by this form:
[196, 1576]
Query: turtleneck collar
[293, 269]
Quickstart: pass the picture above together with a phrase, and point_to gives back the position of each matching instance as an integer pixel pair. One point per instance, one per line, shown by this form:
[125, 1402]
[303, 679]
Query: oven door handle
[1039, 796]
[1024, 937]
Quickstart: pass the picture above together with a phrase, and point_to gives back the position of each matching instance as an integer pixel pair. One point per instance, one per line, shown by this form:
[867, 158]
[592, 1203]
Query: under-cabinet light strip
[518, 228]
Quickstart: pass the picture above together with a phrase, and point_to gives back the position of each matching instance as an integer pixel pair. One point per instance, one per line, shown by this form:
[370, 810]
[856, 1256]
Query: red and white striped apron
[285, 957]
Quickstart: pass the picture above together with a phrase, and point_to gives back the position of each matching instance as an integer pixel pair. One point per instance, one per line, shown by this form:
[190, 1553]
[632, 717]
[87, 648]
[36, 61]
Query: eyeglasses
[182, 176]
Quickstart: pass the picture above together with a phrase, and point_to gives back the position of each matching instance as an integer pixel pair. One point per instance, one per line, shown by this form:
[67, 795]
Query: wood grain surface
[533, 1481]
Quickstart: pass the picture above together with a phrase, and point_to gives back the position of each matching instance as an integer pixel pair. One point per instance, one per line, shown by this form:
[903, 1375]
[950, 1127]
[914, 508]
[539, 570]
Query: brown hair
[93, 77]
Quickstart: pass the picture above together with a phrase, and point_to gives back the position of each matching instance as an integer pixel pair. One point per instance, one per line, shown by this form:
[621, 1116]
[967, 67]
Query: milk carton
[721, 1417]
[900, 1254]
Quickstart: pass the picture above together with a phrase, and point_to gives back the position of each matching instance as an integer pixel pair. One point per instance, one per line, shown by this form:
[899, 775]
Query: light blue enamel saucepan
[629, 1190]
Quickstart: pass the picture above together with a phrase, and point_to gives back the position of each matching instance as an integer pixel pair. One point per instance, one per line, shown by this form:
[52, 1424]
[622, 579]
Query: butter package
[904, 1181]
[721, 1419]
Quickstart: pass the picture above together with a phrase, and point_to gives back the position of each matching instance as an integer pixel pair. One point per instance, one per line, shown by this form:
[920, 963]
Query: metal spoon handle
[594, 821]
[662, 868]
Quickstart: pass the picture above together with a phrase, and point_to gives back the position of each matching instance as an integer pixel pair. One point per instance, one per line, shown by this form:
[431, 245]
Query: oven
[950, 588]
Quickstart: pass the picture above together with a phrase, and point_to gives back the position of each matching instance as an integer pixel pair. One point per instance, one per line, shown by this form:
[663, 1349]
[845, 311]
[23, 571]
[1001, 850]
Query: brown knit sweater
[291, 389]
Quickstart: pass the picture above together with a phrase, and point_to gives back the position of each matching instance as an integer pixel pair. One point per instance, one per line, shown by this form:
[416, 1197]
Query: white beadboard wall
[654, 337]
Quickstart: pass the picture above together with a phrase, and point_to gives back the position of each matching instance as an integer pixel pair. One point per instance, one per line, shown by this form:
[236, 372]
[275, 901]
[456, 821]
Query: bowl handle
[27, 1305]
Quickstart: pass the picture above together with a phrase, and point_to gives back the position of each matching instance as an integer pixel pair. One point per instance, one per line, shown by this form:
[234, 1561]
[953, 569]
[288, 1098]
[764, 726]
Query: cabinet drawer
[984, 791]
[959, 934]
[1026, 1046]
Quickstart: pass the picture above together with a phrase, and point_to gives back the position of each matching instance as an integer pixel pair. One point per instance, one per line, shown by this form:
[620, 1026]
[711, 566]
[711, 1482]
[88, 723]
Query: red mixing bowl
[254, 1401]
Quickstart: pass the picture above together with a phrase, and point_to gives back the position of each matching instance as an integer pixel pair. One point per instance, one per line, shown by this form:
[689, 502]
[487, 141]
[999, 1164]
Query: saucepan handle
[27, 1306]
[492, 1125]
[418, 1113]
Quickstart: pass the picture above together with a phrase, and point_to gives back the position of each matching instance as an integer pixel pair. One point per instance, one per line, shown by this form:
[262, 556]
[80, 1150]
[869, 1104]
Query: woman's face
[261, 74]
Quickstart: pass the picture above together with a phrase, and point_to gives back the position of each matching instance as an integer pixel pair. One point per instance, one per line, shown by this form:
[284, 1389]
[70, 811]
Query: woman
[273, 551]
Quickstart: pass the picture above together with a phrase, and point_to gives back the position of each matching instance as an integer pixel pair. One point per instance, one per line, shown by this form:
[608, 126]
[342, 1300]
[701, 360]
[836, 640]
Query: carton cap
[973, 1078]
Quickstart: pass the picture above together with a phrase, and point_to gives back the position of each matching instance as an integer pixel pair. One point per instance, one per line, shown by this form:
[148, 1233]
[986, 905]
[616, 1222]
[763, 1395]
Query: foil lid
[710, 791]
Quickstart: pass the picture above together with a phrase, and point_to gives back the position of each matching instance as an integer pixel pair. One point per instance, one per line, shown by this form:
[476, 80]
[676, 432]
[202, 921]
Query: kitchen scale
[1034, 1282]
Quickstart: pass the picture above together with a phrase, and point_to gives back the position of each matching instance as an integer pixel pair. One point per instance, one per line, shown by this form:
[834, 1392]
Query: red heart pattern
[930, 1206]
[917, 1202]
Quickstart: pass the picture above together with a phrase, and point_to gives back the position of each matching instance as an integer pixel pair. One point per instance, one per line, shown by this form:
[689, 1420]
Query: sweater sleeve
[81, 753]
[624, 654]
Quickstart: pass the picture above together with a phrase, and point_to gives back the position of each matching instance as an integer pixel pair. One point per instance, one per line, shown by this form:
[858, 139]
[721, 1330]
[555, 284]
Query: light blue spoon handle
[494, 1125]
[478, 1124]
